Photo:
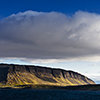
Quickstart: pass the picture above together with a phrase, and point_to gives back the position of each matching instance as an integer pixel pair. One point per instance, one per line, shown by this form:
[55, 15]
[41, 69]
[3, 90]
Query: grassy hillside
[11, 75]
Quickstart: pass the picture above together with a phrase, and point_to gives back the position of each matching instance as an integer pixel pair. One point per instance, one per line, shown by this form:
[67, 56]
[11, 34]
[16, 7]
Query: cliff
[24, 74]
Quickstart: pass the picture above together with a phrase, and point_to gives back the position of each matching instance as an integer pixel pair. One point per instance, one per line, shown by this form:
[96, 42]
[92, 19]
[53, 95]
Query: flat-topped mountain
[11, 74]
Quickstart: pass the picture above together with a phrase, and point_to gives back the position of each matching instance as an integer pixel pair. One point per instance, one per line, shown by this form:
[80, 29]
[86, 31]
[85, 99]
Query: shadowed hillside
[36, 75]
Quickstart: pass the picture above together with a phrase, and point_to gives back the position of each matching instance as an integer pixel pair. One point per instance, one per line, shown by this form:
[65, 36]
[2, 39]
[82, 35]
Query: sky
[55, 33]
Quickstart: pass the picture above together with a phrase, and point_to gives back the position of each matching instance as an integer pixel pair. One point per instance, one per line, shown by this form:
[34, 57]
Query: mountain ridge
[13, 74]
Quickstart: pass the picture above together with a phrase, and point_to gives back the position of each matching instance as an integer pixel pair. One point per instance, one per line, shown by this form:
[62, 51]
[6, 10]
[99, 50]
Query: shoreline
[93, 87]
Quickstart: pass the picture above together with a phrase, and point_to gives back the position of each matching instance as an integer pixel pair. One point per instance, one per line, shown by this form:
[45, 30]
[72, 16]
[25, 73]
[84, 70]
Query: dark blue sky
[8, 7]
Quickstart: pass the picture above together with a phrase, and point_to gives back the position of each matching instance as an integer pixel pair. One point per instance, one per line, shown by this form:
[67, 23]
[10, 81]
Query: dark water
[19, 94]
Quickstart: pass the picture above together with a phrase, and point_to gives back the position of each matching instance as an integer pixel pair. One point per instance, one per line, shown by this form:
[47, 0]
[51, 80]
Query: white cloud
[1, 60]
[95, 77]
[52, 36]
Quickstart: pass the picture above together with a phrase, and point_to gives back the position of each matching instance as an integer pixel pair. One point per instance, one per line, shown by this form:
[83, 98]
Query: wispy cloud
[52, 36]
[95, 77]
[1, 60]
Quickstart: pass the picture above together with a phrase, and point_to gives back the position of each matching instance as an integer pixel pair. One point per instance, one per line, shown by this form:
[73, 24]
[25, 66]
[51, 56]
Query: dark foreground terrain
[91, 87]
[44, 92]
[40, 94]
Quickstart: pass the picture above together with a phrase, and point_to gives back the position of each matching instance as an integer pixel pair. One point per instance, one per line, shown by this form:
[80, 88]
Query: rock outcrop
[24, 74]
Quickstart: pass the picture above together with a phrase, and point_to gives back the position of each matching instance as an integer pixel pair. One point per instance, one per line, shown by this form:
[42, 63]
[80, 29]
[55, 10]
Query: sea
[40, 94]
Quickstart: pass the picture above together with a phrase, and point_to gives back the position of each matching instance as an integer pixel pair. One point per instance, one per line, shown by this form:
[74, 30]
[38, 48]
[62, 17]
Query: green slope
[11, 75]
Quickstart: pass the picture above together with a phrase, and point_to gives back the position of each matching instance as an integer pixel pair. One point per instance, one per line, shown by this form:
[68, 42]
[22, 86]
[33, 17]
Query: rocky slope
[23, 75]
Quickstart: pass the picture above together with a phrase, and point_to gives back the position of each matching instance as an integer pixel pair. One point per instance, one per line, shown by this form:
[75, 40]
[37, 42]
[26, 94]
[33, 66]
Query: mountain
[11, 74]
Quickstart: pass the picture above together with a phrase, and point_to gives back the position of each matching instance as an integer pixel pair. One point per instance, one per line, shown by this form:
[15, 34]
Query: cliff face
[22, 75]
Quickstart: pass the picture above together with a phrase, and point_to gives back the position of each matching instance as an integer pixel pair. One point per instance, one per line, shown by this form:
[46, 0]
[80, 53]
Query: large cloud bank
[53, 35]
